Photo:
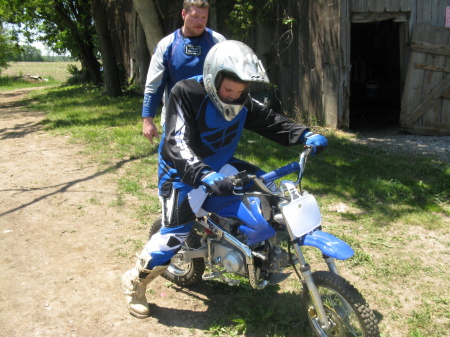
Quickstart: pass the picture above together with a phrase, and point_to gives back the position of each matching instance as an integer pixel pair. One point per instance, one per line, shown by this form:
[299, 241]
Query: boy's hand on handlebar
[318, 142]
[219, 184]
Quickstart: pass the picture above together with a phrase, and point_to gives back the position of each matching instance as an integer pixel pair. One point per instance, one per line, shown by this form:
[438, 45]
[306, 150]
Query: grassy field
[392, 208]
[54, 70]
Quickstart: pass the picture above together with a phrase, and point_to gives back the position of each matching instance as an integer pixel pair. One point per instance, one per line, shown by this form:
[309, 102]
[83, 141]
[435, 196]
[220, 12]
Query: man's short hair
[187, 4]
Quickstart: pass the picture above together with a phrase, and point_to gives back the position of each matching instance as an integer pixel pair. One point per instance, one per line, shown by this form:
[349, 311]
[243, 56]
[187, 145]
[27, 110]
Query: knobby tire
[344, 305]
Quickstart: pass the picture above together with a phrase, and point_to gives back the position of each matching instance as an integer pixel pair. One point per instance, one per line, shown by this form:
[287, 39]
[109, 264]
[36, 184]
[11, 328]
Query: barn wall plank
[416, 118]
[413, 84]
[432, 67]
[412, 18]
[428, 103]
[390, 5]
[384, 5]
[356, 5]
[431, 48]
[317, 58]
[445, 113]
[405, 5]
[430, 12]
[423, 14]
[404, 51]
[434, 78]
[439, 13]
[344, 86]
[307, 85]
[379, 6]
[435, 14]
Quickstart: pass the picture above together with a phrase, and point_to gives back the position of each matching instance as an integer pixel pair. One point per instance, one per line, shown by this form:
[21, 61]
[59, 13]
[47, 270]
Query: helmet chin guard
[231, 57]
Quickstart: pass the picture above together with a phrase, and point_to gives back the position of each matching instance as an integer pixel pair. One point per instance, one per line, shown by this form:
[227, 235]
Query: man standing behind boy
[178, 56]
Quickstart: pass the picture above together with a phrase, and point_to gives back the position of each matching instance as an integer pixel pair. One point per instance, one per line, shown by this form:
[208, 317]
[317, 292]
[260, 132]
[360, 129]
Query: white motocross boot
[134, 285]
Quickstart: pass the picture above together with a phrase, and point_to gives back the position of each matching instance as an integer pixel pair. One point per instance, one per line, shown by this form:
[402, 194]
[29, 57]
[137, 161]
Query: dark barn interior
[375, 75]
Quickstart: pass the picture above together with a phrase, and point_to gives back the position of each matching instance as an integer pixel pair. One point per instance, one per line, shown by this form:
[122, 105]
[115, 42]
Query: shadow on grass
[384, 185]
[230, 309]
[239, 311]
[70, 103]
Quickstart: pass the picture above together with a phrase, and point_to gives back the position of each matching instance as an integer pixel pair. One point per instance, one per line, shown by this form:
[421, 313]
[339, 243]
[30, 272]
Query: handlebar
[242, 177]
[280, 172]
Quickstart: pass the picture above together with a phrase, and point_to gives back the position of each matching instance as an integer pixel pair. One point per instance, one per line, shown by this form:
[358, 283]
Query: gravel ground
[436, 147]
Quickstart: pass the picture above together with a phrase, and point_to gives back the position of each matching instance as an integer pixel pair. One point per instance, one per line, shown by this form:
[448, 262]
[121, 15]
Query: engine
[226, 256]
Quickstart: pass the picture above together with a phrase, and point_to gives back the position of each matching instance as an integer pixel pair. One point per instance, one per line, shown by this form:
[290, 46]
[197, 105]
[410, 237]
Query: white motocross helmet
[232, 57]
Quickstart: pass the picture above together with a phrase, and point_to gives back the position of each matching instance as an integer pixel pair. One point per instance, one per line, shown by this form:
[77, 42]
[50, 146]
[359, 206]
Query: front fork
[306, 273]
[331, 264]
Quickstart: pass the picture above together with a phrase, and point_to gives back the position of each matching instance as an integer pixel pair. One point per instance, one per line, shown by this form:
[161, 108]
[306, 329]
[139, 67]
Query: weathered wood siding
[312, 66]
[431, 12]
[382, 5]
[425, 108]
[309, 60]
[306, 60]
[425, 104]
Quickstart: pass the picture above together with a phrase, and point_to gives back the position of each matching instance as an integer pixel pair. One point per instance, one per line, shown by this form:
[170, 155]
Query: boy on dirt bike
[205, 118]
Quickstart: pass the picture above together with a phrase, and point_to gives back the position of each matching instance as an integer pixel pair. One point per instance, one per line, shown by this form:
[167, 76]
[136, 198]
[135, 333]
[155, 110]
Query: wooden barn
[350, 63]
[367, 63]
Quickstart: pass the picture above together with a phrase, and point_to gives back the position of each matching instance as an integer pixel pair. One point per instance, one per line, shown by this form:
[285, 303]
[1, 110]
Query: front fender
[329, 245]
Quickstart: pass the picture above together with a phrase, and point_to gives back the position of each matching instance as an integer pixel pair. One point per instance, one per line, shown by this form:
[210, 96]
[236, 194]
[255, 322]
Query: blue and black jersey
[175, 58]
[198, 138]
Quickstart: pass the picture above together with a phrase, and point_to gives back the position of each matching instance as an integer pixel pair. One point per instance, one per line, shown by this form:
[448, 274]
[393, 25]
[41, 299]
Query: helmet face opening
[225, 74]
[235, 61]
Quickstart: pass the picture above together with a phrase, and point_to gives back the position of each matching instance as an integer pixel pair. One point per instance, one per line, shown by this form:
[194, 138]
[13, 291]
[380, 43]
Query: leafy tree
[64, 25]
[29, 53]
[7, 48]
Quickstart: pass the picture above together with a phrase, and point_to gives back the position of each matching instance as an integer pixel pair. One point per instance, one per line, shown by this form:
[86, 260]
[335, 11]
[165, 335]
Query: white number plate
[302, 215]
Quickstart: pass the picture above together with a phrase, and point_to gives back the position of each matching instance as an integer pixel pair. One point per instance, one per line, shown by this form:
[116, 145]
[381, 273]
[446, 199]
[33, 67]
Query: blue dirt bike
[244, 237]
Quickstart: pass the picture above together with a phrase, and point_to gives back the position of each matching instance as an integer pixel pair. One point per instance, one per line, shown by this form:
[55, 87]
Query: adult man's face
[230, 91]
[194, 21]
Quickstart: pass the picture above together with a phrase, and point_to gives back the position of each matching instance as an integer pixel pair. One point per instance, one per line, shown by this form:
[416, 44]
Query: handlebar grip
[280, 172]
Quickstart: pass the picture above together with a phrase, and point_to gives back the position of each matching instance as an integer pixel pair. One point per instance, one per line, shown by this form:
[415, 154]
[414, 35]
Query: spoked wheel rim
[343, 319]
[178, 267]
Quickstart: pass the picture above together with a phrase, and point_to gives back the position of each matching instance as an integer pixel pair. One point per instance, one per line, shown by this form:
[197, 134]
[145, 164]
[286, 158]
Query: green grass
[56, 70]
[11, 83]
[396, 216]
[274, 313]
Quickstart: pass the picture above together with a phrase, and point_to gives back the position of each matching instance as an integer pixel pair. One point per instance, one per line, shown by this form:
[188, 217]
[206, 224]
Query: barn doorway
[375, 86]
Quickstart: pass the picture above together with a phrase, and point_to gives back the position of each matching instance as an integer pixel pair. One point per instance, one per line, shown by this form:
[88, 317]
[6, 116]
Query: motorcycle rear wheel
[346, 309]
[180, 272]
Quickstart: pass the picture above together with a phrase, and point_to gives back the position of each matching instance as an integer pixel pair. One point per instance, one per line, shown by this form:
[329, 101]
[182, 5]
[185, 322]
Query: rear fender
[329, 245]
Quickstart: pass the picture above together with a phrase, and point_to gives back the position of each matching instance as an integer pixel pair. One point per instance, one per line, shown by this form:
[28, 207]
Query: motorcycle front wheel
[346, 309]
[180, 272]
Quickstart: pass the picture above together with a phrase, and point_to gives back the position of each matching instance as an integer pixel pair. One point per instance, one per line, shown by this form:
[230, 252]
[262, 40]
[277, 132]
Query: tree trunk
[150, 21]
[119, 15]
[110, 70]
[89, 64]
[141, 60]
[80, 29]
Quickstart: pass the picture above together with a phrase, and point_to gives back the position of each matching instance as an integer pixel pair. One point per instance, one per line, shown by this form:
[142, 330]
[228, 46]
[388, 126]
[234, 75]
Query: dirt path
[59, 234]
